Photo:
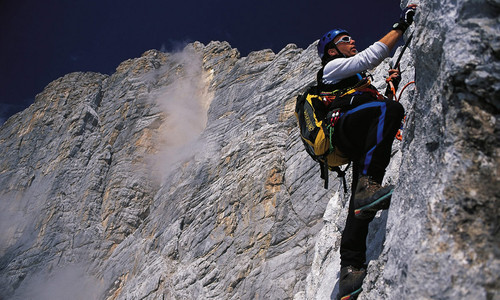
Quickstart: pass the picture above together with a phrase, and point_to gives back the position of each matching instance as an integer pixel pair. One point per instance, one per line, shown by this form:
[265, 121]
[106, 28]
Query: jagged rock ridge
[99, 184]
[181, 176]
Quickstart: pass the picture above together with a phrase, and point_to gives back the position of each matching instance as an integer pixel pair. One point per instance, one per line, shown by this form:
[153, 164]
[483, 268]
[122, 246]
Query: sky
[41, 41]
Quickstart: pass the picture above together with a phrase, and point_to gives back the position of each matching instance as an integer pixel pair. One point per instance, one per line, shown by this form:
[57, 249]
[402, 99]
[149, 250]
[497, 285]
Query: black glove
[395, 79]
[408, 14]
[406, 18]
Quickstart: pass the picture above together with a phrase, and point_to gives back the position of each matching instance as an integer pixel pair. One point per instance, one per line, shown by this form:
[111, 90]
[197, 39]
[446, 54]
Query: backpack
[316, 122]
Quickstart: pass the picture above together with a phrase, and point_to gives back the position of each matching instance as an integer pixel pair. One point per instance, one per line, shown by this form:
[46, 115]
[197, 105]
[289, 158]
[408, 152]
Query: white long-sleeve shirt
[341, 68]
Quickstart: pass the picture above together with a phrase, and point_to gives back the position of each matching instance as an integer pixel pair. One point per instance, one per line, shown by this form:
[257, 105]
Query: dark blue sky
[41, 41]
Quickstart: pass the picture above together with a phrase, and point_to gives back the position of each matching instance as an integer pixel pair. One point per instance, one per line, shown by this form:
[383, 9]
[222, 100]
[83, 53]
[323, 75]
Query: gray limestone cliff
[182, 176]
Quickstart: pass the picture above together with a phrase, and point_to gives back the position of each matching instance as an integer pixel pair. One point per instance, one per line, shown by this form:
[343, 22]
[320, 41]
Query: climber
[364, 130]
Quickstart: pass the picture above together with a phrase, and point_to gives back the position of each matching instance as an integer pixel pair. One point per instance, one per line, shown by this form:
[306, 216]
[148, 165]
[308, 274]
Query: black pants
[365, 133]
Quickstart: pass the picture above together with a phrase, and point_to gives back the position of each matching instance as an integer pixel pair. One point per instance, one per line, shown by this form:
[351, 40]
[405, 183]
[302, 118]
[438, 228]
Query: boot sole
[353, 295]
[371, 209]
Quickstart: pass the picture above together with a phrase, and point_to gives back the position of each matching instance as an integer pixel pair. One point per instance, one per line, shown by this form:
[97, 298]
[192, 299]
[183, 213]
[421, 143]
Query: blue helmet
[328, 37]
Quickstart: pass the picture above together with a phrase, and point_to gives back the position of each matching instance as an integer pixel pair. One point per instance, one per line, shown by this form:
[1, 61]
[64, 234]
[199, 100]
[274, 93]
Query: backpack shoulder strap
[324, 170]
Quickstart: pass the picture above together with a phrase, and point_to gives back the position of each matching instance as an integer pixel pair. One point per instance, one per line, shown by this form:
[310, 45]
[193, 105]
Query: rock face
[444, 240]
[181, 176]
[174, 178]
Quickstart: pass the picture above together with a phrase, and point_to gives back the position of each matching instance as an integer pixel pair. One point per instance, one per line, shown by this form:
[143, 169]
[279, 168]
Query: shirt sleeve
[341, 68]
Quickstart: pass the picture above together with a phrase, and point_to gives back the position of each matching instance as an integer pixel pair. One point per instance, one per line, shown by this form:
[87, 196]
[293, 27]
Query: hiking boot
[350, 282]
[371, 197]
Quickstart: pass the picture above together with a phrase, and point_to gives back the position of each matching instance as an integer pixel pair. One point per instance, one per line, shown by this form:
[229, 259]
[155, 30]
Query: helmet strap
[338, 51]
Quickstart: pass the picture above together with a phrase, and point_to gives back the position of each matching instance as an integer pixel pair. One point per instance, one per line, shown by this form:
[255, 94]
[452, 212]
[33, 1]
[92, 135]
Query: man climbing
[365, 124]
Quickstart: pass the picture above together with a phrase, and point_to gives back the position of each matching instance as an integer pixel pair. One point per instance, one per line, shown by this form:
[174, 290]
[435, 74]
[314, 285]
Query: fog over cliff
[182, 176]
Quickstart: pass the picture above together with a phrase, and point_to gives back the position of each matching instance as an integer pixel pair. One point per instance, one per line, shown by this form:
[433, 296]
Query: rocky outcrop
[173, 177]
[441, 232]
[181, 176]
[443, 236]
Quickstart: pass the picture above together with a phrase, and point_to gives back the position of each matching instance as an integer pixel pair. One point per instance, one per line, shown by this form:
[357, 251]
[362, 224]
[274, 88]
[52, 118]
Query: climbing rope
[399, 134]
[402, 90]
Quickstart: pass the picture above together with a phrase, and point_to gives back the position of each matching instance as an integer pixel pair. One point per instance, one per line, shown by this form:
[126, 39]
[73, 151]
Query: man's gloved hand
[392, 82]
[395, 77]
[408, 14]
[406, 18]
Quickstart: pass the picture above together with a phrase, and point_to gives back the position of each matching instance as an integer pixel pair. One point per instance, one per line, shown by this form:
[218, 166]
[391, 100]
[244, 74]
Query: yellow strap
[365, 85]
[309, 99]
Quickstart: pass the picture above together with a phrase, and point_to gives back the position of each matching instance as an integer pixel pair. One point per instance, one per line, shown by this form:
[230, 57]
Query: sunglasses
[344, 39]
